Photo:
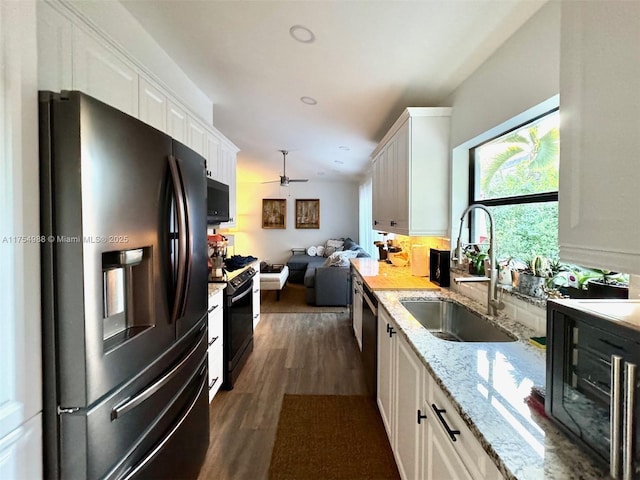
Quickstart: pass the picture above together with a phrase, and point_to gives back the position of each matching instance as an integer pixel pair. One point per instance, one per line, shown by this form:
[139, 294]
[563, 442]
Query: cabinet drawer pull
[439, 411]
[213, 382]
[212, 308]
[421, 417]
[213, 340]
[393, 223]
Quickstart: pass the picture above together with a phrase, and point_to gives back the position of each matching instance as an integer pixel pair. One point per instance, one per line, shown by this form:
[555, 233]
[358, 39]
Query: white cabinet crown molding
[406, 114]
[79, 19]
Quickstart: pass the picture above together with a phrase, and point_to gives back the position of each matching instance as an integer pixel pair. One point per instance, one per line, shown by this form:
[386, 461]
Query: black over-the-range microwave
[217, 202]
[593, 354]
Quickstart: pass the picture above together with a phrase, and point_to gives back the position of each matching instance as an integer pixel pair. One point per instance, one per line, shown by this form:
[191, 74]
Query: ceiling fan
[284, 180]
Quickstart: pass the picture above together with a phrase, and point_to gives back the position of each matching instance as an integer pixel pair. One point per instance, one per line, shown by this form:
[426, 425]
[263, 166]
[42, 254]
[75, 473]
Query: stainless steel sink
[453, 322]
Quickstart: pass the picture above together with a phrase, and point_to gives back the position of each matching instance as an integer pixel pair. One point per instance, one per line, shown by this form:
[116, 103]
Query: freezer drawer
[129, 426]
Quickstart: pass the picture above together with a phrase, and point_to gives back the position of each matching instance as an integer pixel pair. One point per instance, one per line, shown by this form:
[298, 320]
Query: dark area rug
[292, 301]
[331, 437]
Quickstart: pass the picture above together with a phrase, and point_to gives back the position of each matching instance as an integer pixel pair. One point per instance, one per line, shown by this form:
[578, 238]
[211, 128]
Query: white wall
[338, 218]
[523, 72]
[519, 78]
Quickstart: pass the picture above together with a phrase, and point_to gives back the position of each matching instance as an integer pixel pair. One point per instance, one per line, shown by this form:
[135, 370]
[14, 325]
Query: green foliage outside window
[524, 162]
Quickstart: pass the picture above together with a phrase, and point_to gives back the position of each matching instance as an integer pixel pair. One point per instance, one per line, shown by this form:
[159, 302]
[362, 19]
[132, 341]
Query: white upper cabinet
[74, 55]
[177, 122]
[411, 174]
[213, 156]
[599, 221]
[103, 74]
[197, 136]
[153, 104]
[54, 49]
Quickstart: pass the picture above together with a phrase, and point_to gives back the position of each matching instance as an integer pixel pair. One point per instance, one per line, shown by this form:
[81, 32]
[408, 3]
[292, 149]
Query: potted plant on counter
[476, 259]
[533, 279]
[608, 285]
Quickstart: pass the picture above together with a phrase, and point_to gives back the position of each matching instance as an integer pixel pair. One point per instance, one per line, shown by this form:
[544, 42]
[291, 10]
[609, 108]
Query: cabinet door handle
[391, 331]
[393, 223]
[212, 308]
[213, 382]
[213, 340]
[439, 411]
[421, 417]
[376, 222]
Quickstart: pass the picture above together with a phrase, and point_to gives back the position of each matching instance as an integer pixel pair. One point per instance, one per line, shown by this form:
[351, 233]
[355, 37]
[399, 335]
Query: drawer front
[215, 299]
[215, 369]
[215, 325]
[466, 445]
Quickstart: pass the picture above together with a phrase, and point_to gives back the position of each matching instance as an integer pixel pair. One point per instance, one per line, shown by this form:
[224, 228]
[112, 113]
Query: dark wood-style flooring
[309, 353]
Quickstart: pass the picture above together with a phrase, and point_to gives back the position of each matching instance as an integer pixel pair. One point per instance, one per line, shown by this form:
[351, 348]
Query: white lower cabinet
[421, 438]
[21, 451]
[356, 307]
[408, 375]
[215, 343]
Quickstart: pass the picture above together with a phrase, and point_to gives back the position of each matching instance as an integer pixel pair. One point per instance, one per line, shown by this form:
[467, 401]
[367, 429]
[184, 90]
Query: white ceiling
[370, 60]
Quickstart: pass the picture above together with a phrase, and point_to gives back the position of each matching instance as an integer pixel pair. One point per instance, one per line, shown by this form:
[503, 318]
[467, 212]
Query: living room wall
[338, 217]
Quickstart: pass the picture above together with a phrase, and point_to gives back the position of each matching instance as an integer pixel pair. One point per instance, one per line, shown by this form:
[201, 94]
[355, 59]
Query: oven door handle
[247, 291]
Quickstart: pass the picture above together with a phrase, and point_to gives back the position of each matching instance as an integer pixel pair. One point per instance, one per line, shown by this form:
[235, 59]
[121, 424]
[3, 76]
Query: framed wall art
[274, 213]
[307, 213]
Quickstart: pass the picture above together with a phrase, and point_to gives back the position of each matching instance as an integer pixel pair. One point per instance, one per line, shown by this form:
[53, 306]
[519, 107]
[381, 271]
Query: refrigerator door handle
[628, 457]
[133, 402]
[615, 415]
[181, 209]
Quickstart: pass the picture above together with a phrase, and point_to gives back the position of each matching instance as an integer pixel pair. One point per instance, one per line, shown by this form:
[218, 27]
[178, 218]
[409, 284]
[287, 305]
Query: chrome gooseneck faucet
[493, 304]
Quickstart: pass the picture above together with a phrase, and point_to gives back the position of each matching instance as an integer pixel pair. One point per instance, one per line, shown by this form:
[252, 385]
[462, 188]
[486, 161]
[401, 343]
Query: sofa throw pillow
[333, 245]
[339, 259]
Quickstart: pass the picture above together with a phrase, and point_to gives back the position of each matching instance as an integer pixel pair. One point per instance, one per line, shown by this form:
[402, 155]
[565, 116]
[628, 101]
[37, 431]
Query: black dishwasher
[370, 338]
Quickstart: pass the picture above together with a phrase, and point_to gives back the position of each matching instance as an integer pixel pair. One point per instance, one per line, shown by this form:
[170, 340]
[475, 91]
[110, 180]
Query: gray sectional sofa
[324, 285]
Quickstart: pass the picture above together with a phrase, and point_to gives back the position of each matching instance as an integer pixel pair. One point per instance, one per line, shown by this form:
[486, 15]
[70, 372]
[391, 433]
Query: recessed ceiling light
[344, 147]
[309, 100]
[302, 34]
[339, 162]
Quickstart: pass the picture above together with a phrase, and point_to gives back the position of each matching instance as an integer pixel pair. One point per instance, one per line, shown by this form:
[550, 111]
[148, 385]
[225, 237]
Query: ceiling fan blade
[271, 181]
[298, 180]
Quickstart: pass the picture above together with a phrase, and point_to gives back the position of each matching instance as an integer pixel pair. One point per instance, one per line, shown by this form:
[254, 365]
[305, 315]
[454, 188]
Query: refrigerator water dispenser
[125, 285]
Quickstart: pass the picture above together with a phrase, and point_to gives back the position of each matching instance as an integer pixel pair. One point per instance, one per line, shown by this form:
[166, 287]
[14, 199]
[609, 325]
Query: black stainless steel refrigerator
[124, 281]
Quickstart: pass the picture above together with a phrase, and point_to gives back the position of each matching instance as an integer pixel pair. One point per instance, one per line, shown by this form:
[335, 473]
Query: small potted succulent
[533, 279]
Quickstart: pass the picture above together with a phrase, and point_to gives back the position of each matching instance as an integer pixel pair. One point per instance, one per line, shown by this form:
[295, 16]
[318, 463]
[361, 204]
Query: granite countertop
[487, 383]
[216, 287]
[384, 276]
